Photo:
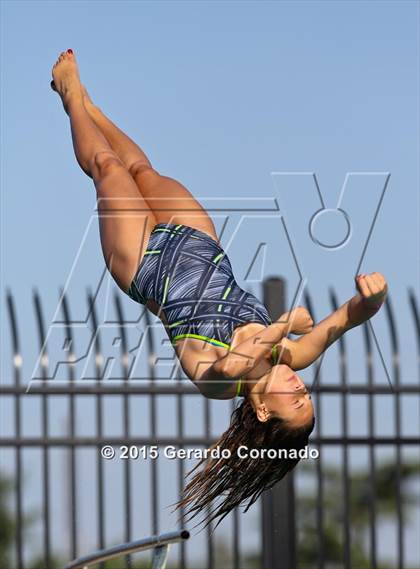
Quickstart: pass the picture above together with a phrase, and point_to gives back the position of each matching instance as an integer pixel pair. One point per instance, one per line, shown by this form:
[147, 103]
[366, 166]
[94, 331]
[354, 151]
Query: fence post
[278, 503]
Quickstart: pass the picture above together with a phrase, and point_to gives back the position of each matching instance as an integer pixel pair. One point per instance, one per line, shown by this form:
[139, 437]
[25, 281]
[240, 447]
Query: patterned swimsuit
[190, 277]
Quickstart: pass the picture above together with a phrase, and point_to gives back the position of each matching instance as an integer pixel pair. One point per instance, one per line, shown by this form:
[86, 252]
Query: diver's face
[286, 397]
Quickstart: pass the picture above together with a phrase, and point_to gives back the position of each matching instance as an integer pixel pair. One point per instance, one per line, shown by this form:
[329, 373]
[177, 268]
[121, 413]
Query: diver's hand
[372, 293]
[299, 320]
[373, 288]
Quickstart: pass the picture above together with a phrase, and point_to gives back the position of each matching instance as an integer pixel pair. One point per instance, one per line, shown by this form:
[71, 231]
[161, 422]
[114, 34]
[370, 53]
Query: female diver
[161, 249]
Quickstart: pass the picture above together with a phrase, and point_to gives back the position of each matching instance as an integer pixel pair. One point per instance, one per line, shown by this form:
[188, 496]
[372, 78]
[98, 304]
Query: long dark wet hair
[231, 481]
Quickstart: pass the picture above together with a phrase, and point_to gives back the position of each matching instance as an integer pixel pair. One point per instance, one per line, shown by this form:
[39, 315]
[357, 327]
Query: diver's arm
[216, 381]
[216, 386]
[302, 352]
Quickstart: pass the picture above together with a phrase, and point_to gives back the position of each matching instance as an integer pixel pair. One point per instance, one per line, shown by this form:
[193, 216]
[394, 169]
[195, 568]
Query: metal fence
[280, 539]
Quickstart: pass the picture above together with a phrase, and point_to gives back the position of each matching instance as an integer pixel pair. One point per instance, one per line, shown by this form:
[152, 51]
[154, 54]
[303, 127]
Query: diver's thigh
[171, 202]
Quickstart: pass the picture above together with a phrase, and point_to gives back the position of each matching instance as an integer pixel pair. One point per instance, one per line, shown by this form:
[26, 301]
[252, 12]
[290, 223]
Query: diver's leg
[170, 201]
[128, 151]
[125, 220]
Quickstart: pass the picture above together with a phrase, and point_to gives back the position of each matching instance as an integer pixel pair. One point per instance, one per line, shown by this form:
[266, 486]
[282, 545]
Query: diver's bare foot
[66, 79]
[90, 106]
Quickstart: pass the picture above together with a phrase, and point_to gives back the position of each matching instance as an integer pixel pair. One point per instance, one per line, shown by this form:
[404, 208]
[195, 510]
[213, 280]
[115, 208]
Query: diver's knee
[106, 162]
[141, 167]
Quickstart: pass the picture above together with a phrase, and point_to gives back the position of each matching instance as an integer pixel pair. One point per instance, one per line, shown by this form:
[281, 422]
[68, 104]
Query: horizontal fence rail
[279, 506]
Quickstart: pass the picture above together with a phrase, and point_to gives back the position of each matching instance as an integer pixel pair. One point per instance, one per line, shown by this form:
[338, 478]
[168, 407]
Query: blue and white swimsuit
[190, 277]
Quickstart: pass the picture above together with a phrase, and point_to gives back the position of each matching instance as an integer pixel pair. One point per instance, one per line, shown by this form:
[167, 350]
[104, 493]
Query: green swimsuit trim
[199, 337]
[274, 354]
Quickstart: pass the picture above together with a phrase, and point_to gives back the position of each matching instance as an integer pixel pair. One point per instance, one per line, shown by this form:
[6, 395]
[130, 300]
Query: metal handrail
[158, 542]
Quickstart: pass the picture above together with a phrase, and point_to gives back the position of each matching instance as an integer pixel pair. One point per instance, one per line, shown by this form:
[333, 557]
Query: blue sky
[221, 95]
